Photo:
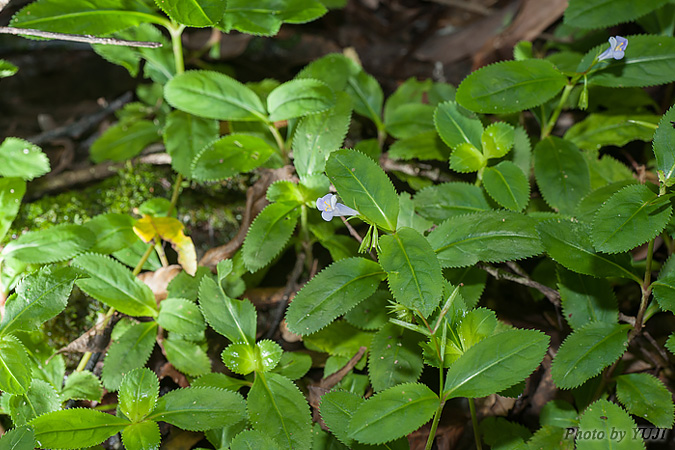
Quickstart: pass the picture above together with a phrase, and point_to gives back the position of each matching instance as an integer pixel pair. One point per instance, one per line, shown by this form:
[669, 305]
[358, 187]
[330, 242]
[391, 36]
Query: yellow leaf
[144, 229]
[170, 230]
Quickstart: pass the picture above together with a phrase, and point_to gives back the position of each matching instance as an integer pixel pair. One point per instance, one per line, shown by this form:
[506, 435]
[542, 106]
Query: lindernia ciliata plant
[488, 201]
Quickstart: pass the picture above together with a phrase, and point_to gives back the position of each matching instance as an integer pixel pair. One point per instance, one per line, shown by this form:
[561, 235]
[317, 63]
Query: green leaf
[113, 232]
[277, 407]
[364, 186]
[496, 363]
[393, 413]
[604, 13]
[185, 136]
[586, 299]
[229, 156]
[187, 286]
[22, 159]
[15, 370]
[592, 202]
[466, 158]
[113, 284]
[510, 86]
[587, 351]
[551, 437]
[7, 69]
[268, 234]
[317, 135]
[297, 98]
[395, 357]
[664, 290]
[602, 130]
[253, 440]
[507, 185]
[603, 418]
[180, 316]
[264, 17]
[492, 236]
[293, 365]
[569, 243]
[366, 93]
[649, 60]
[40, 296]
[370, 314]
[559, 413]
[629, 218]
[646, 396]
[199, 408]
[333, 69]
[213, 95]
[562, 173]
[193, 13]
[410, 119]
[234, 319]
[339, 338]
[457, 126]
[497, 139]
[243, 359]
[129, 351]
[82, 386]
[337, 409]
[333, 292]
[220, 381]
[141, 436]
[12, 190]
[123, 141]
[186, 356]
[57, 243]
[40, 398]
[500, 434]
[664, 148]
[426, 145]
[84, 17]
[442, 201]
[20, 438]
[413, 271]
[75, 428]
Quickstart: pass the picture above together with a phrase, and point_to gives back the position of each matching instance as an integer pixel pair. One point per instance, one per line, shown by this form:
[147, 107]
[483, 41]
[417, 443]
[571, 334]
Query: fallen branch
[77, 37]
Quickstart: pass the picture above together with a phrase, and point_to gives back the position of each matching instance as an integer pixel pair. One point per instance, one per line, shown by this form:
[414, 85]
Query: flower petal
[344, 210]
[327, 215]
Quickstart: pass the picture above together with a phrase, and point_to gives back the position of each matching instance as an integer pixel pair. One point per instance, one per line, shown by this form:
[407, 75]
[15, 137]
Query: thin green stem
[546, 131]
[474, 422]
[279, 140]
[434, 425]
[646, 290]
[174, 195]
[306, 242]
[176, 31]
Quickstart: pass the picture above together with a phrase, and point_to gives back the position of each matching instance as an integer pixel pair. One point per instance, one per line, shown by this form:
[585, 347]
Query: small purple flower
[617, 47]
[329, 207]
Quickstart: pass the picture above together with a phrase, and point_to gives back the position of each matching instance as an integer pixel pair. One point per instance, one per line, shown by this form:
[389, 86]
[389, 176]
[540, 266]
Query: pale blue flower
[617, 47]
[330, 208]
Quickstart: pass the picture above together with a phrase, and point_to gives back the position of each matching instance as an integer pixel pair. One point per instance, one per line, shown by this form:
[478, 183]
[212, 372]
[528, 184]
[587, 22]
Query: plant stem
[176, 32]
[646, 290]
[556, 113]
[175, 194]
[279, 140]
[434, 425]
[474, 422]
[306, 242]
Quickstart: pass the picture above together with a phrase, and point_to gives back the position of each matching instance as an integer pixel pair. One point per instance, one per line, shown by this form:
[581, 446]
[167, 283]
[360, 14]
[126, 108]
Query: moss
[210, 212]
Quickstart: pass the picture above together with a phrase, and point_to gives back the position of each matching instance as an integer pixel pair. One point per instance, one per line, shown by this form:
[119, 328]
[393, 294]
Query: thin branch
[77, 37]
[551, 294]
[291, 287]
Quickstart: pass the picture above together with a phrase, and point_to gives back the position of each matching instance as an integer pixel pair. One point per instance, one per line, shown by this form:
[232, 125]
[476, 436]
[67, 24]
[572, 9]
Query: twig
[352, 231]
[551, 294]
[77, 129]
[466, 5]
[291, 286]
[417, 170]
[77, 37]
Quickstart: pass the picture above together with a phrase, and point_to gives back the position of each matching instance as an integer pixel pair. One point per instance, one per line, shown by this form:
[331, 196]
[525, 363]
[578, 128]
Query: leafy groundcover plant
[396, 317]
